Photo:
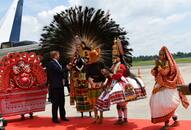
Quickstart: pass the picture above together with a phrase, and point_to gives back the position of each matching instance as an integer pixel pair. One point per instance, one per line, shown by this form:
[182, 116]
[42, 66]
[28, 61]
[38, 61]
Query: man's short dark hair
[53, 54]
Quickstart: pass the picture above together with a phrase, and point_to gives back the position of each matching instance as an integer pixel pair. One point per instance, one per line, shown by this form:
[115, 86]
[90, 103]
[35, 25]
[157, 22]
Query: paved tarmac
[136, 109]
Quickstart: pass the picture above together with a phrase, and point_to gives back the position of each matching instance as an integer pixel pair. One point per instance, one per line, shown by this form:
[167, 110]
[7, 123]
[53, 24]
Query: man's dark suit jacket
[55, 75]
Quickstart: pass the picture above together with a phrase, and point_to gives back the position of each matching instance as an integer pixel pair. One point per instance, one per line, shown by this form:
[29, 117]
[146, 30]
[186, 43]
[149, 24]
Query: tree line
[175, 55]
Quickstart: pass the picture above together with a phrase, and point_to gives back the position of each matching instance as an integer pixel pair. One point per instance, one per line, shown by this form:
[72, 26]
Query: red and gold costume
[165, 97]
[22, 84]
[79, 93]
[86, 77]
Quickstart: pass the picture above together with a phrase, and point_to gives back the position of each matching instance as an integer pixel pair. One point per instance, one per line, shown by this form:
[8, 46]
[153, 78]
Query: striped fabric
[84, 107]
[81, 96]
[82, 104]
[17, 102]
[80, 99]
[140, 92]
[82, 91]
[93, 95]
[103, 102]
[117, 97]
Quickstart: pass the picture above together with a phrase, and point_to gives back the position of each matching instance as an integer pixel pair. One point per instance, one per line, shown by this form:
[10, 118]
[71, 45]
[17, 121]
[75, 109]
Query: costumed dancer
[95, 77]
[165, 98]
[78, 82]
[135, 88]
[117, 94]
[103, 102]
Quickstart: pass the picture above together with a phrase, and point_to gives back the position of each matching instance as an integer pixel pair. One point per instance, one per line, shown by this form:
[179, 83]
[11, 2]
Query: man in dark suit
[56, 80]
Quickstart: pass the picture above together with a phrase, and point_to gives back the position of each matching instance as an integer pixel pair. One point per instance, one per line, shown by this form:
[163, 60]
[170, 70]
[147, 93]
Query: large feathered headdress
[93, 27]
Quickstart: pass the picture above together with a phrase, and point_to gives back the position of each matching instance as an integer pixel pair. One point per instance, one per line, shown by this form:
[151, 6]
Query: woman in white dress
[165, 98]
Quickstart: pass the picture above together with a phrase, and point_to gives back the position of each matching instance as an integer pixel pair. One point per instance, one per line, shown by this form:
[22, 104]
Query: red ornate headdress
[21, 70]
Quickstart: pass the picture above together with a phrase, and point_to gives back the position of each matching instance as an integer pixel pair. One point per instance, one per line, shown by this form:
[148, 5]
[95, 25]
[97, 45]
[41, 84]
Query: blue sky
[32, 7]
[150, 23]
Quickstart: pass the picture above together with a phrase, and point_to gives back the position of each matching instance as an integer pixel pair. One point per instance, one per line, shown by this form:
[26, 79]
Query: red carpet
[45, 123]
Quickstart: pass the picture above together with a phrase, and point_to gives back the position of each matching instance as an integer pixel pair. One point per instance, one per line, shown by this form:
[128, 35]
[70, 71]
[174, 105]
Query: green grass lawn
[151, 62]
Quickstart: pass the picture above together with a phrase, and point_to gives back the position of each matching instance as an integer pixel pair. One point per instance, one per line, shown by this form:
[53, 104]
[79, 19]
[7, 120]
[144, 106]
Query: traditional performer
[165, 98]
[86, 77]
[103, 102]
[117, 95]
[95, 77]
[79, 84]
[121, 91]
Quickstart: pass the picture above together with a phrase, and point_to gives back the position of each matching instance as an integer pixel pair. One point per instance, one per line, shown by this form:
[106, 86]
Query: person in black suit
[56, 80]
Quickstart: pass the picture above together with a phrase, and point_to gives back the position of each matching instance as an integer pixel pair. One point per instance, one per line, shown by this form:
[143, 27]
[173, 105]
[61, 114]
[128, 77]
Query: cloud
[150, 24]
[32, 25]
[30, 28]
[47, 16]
[170, 19]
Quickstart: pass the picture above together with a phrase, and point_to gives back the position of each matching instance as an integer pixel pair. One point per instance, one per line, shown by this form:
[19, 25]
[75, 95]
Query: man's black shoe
[56, 121]
[64, 119]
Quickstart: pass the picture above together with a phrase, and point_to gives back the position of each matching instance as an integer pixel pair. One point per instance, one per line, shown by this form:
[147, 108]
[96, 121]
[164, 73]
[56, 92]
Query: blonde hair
[54, 53]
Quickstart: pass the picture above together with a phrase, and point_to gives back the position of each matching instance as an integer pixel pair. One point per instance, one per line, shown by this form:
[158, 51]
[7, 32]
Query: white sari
[163, 104]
